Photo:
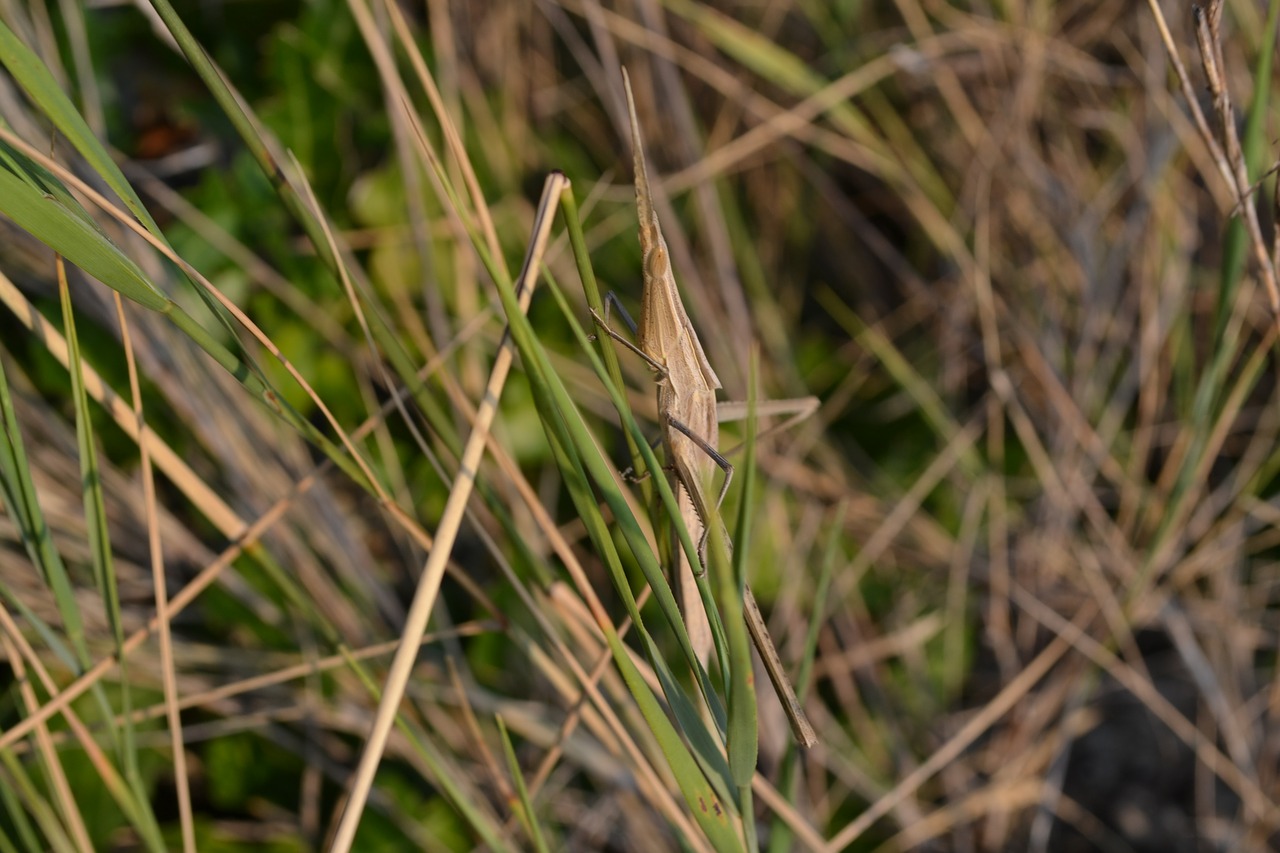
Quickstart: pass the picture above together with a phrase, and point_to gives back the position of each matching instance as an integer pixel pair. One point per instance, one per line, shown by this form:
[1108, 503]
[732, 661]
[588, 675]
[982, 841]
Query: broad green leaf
[31, 74]
[70, 235]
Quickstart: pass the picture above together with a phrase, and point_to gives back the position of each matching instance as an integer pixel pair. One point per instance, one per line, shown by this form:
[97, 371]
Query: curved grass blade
[91, 477]
[587, 275]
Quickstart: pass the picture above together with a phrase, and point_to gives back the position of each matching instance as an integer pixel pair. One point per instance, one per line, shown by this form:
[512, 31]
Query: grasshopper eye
[655, 263]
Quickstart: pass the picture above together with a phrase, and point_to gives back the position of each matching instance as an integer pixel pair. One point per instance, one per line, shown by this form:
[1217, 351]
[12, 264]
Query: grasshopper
[688, 416]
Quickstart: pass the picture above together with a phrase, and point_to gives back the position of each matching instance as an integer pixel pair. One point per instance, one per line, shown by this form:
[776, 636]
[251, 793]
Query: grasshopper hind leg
[724, 465]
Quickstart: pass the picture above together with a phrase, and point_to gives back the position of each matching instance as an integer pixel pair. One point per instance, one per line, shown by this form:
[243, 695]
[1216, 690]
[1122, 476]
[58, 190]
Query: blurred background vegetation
[1020, 563]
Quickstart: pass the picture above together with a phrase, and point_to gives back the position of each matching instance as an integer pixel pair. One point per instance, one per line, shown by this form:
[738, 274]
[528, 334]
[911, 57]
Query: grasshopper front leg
[653, 363]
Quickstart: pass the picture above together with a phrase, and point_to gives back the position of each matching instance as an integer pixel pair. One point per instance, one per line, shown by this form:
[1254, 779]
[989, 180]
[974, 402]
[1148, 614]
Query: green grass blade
[28, 794]
[781, 836]
[1253, 143]
[744, 731]
[20, 821]
[104, 574]
[586, 273]
[45, 181]
[41, 87]
[23, 504]
[91, 479]
[17, 816]
[69, 234]
[91, 491]
[525, 811]
[708, 810]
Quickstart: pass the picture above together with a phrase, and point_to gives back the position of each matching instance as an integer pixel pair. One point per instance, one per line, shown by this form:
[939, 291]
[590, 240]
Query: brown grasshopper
[690, 429]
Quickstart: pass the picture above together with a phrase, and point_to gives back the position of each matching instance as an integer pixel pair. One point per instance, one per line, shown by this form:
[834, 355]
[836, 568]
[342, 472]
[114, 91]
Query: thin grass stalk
[974, 728]
[1253, 149]
[52, 836]
[23, 505]
[159, 585]
[119, 788]
[789, 773]
[50, 762]
[433, 572]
